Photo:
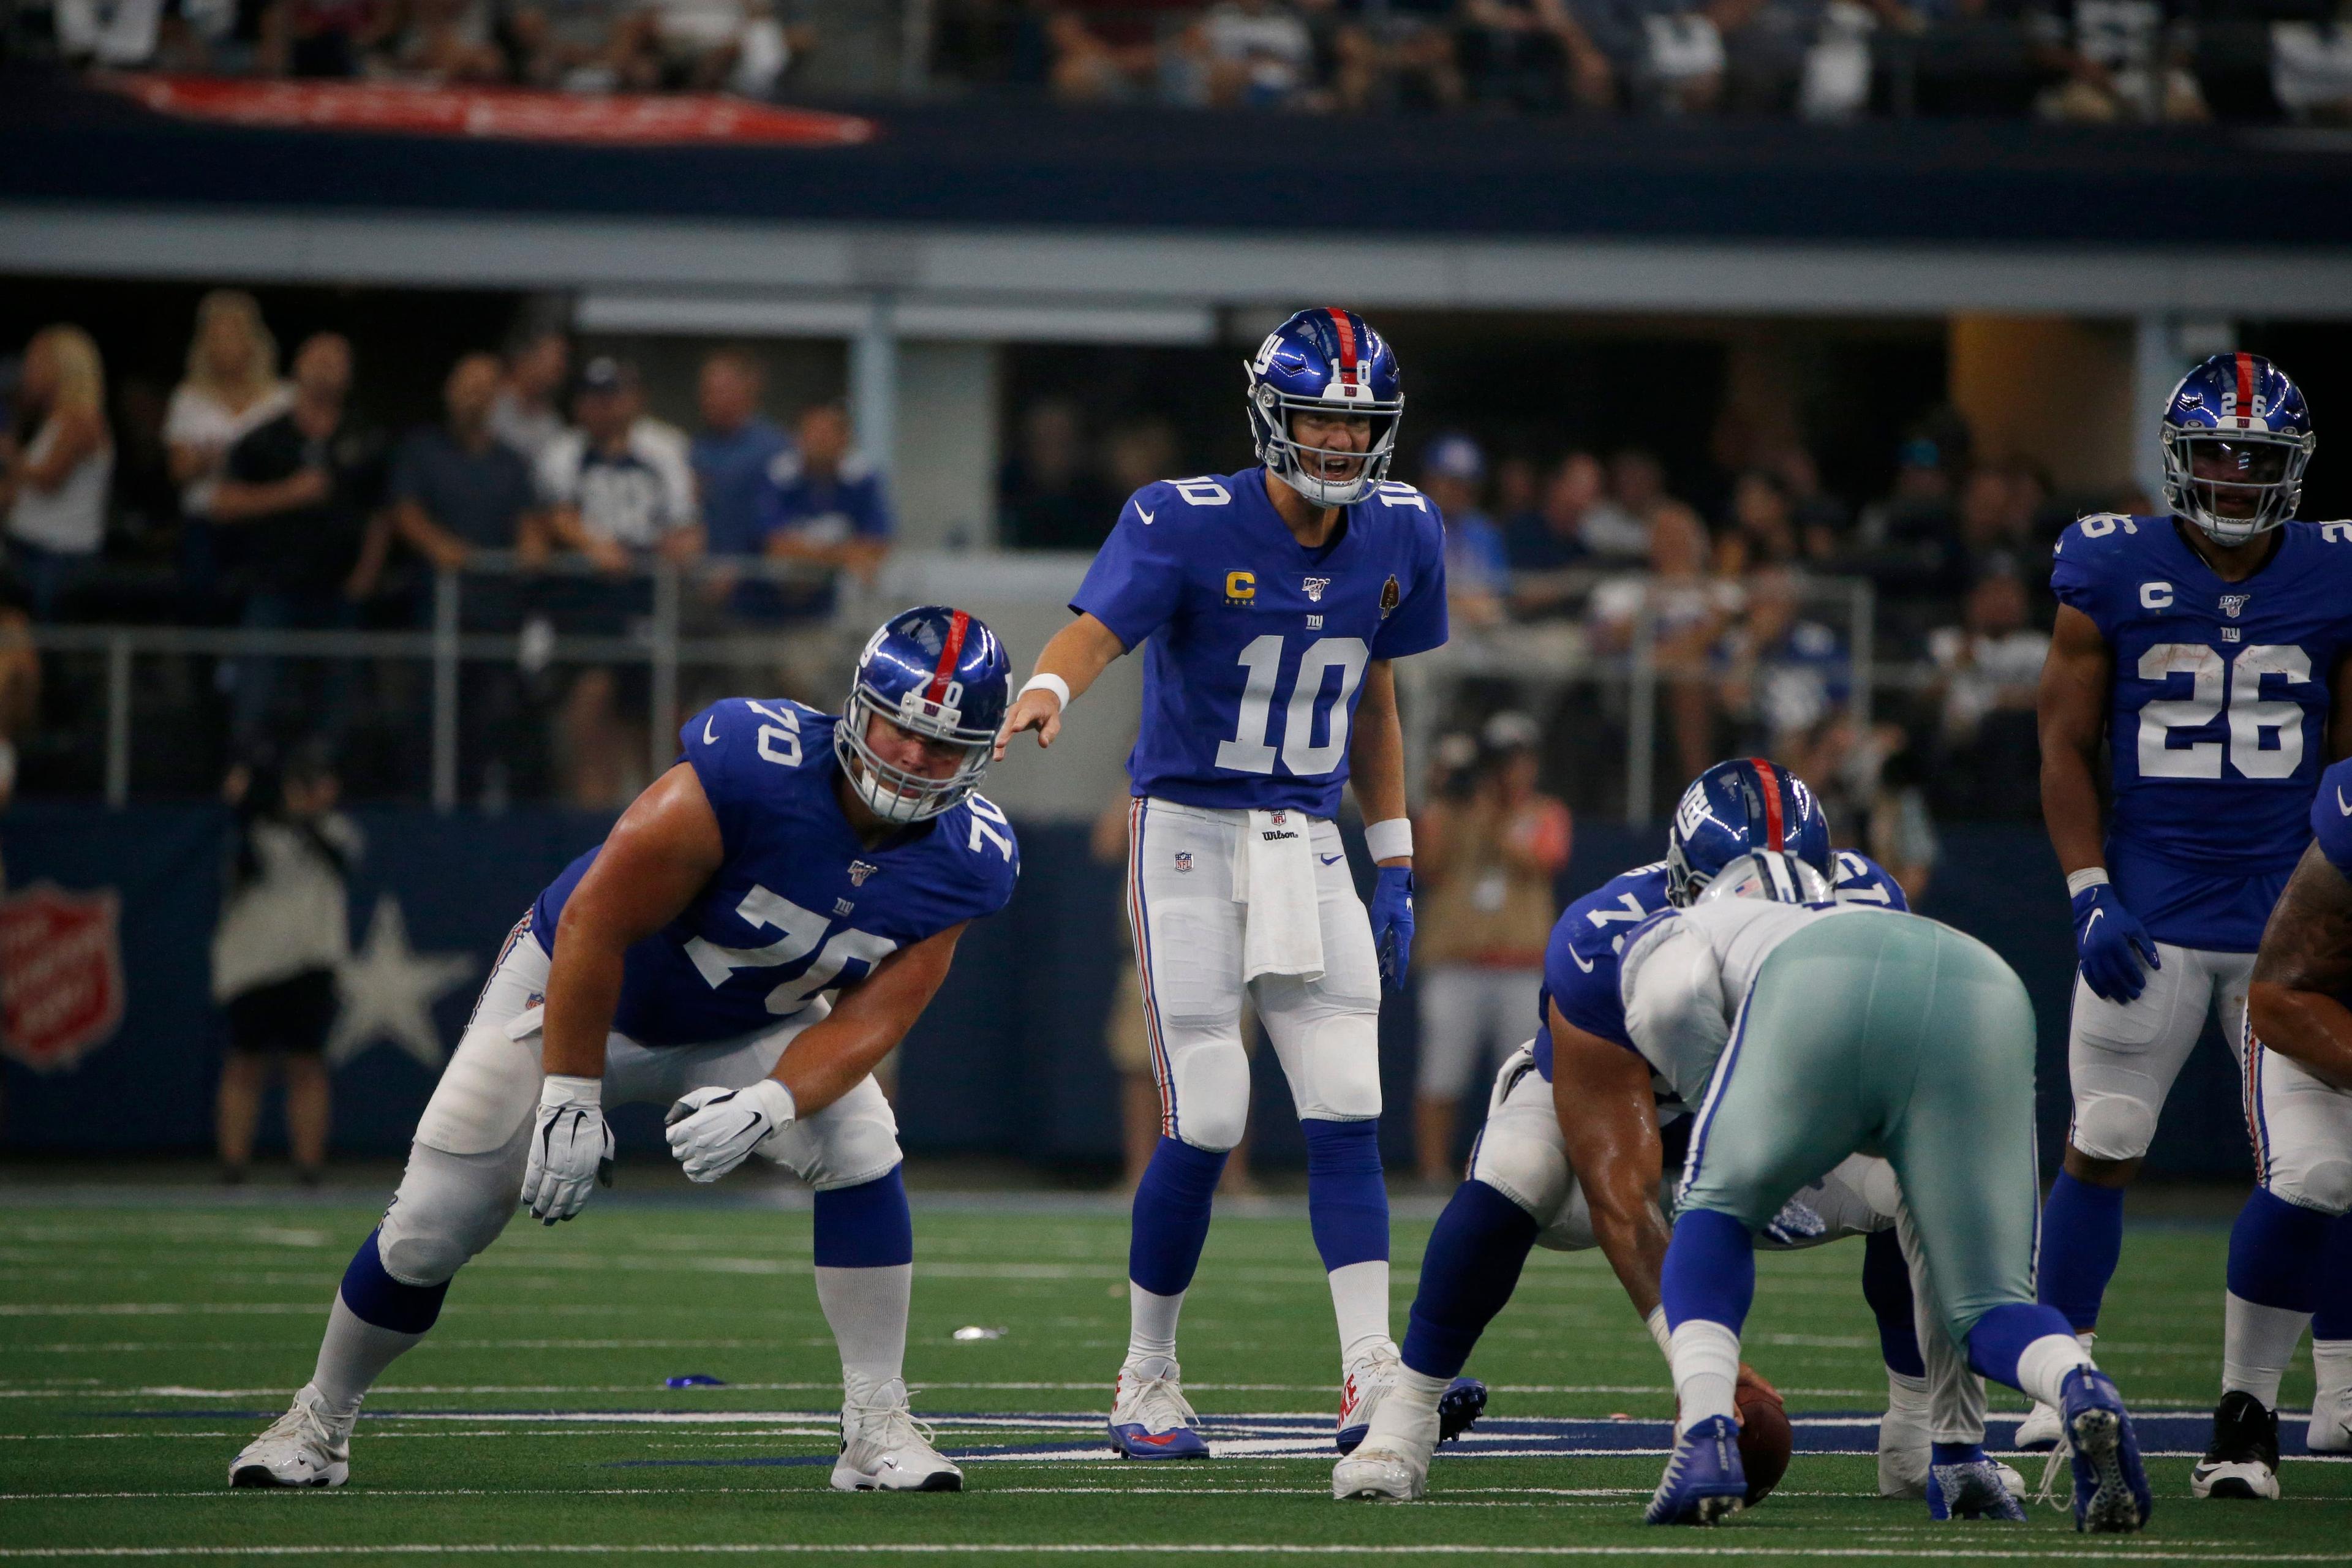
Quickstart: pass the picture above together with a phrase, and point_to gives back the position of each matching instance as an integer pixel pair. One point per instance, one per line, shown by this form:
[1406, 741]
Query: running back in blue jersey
[800, 907]
[1258, 645]
[2217, 726]
[1580, 960]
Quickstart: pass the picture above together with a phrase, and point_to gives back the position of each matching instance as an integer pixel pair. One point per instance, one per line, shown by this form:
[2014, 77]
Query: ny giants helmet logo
[1692, 812]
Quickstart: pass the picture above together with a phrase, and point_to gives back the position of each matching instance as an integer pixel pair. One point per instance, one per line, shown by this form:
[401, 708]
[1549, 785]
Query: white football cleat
[309, 1446]
[884, 1448]
[2330, 1431]
[2039, 1431]
[1903, 1444]
[1368, 1383]
[1382, 1470]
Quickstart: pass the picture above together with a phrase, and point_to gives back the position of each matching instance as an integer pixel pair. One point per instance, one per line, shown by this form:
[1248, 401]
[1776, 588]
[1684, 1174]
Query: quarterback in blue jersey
[1272, 601]
[2205, 650]
[2299, 1103]
[1576, 1155]
[763, 925]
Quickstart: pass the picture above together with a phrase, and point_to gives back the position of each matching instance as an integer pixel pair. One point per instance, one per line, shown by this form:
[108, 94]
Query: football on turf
[1766, 1441]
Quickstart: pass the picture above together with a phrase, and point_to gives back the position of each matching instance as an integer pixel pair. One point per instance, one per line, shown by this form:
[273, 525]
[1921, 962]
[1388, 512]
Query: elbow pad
[1672, 983]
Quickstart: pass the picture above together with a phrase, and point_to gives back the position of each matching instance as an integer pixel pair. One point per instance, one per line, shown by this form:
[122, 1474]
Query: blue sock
[1955, 1453]
[2000, 1336]
[376, 1297]
[2276, 1251]
[865, 1226]
[1170, 1221]
[2082, 1238]
[1887, 1285]
[1467, 1273]
[1347, 1201]
[2332, 1320]
[1710, 1270]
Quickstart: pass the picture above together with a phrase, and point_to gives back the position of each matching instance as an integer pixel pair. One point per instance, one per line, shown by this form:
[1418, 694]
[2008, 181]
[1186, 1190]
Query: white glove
[712, 1131]
[1797, 1223]
[570, 1151]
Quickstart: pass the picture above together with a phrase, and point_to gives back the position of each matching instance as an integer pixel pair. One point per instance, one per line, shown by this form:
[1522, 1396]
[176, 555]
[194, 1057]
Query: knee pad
[848, 1143]
[2109, 1126]
[1530, 1170]
[1334, 1064]
[449, 1208]
[2326, 1186]
[1208, 1092]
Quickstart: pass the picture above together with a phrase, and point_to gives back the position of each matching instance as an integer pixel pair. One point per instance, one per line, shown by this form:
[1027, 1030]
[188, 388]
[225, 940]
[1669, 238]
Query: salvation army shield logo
[60, 974]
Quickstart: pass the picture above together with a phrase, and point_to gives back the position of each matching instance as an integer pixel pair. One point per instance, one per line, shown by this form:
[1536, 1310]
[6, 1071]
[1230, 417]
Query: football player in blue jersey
[763, 925]
[1581, 1137]
[2299, 1093]
[2206, 651]
[1274, 601]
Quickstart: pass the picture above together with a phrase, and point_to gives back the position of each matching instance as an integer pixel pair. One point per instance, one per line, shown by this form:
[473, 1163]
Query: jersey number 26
[2210, 684]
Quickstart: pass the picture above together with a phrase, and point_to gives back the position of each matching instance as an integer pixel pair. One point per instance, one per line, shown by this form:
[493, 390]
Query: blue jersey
[800, 906]
[1258, 644]
[2331, 816]
[2218, 717]
[1580, 960]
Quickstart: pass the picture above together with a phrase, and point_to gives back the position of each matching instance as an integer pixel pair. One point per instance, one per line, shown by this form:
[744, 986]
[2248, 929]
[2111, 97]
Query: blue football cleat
[1973, 1489]
[1703, 1483]
[1459, 1407]
[1150, 1419]
[2111, 1496]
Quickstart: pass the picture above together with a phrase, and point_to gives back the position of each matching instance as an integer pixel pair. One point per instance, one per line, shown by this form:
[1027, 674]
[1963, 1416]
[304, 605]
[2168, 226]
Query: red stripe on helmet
[953, 651]
[2245, 386]
[1775, 829]
[1346, 345]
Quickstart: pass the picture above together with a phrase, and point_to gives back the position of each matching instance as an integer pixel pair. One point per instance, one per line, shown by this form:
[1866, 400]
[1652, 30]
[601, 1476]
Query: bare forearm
[2310, 1029]
[1633, 1235]
[828, 1061]
[583, 988]
[1376, 754]
[1079, 653]
[2070, 809]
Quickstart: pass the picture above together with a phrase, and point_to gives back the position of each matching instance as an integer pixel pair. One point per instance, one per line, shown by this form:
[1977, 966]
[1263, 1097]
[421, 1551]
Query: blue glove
[1392, 921]
[2113, 945]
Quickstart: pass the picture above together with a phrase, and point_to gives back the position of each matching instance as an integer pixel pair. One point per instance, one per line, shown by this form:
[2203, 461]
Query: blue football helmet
[936, 672]
[1734, 809]
[2238, 419]
[1327, 362]
[1774, 875]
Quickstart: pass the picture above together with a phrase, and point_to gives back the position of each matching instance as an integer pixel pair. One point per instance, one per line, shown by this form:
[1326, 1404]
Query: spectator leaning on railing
[824, 506]
[299, 506]
[526, 412]
[53, 487]
[1477, 566]
[730, 456]
[231, 387]
[618, 488]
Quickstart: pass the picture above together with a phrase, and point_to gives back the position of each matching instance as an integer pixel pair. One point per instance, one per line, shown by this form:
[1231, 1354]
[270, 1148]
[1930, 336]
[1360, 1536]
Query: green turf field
[144, 1338]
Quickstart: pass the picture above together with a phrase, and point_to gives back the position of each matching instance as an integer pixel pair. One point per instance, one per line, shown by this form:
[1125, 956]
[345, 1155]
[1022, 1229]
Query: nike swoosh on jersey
[708, 736]
[1144, 515]
[1327, 859]
[1579, 961]
[2341, 804]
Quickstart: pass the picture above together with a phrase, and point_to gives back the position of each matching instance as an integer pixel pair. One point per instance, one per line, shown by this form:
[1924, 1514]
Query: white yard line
[2055, 1552]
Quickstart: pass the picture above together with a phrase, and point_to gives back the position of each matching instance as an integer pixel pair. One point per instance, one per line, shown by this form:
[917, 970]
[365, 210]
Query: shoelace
[2061, 1462]
[1161, 1404]
[303, 1419]
[898, 1426]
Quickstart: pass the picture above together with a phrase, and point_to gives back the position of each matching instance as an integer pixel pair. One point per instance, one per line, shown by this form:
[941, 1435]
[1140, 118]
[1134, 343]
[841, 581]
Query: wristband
[1656, 1323]
[560, 1090]
[2088, 876]
[1041, 681]
[1389, 840]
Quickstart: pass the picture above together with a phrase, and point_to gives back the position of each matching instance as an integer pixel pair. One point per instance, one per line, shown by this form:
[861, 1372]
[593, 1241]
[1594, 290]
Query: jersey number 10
[1251, 750]
[2208, 682]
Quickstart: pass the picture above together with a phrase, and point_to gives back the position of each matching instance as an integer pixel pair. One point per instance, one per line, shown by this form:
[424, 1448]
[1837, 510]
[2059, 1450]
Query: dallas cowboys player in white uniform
[2207, 649]
[653, 969]
[1274, 600]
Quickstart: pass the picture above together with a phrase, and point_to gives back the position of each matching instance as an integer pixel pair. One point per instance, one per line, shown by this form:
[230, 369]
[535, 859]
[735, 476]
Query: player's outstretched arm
[1609, 1117]
[2305, 965]
[1074, 659]
[712, 1131]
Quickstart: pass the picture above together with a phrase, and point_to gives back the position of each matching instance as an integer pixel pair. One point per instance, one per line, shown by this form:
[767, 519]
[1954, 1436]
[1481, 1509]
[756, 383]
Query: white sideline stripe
[1169, 1549]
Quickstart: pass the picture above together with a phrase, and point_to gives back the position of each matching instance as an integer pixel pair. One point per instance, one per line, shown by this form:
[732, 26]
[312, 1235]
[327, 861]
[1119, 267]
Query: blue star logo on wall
[388, 990]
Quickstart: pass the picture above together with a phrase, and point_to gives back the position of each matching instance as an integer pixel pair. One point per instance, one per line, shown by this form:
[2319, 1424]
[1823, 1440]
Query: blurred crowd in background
[2074, 60]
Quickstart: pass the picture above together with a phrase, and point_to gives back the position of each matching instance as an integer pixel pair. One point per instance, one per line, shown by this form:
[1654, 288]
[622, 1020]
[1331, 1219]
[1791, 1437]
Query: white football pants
[2302, 1129]
[2122, 1057]
[464, 1170]
[1188, 940]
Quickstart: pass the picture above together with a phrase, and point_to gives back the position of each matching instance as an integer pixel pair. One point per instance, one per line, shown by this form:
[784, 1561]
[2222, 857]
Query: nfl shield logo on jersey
[2234, 603]
[1183, 860]
[1315, 586]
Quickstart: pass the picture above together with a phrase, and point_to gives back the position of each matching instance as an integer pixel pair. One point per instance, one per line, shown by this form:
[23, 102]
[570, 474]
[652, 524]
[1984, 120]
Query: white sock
[867, 1310]
[2331, 1366]
[1409, 1412]
[2043, 1365]
[1906, 1394]
[1151, 1330]
[352, 1355]
[2257, 1342]
[1360, 1299]
[1707, 1371]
